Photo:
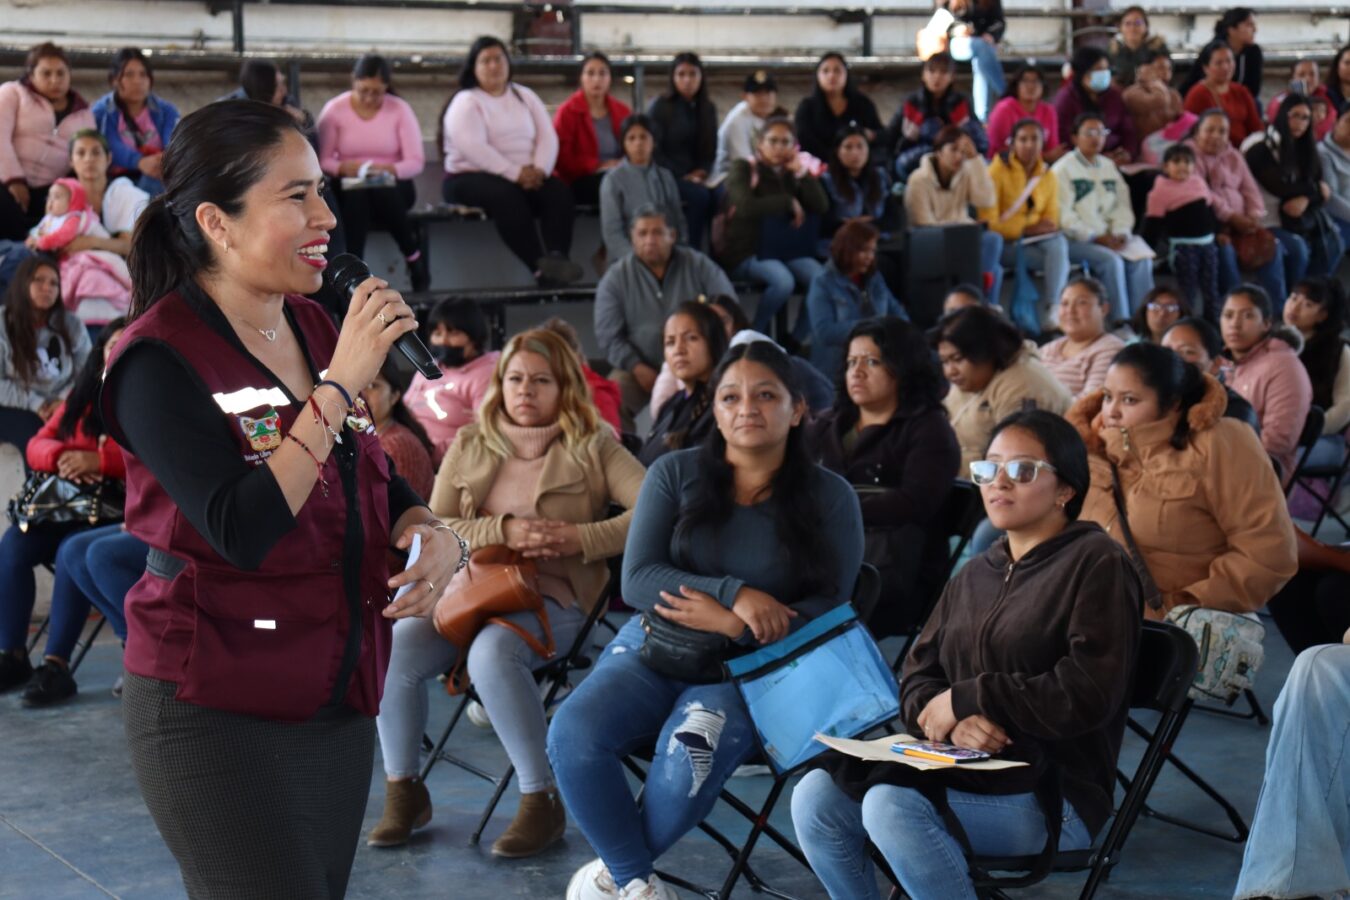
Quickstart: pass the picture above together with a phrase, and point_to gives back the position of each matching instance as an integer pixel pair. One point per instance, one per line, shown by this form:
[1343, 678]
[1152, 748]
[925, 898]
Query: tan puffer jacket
[1210, 519]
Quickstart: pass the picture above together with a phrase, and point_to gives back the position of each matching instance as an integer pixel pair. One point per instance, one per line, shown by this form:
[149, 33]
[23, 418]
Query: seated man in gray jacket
[636, 295]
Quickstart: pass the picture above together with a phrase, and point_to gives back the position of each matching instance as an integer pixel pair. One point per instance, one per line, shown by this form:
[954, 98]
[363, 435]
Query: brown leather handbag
[500, 582]
[1253, 248]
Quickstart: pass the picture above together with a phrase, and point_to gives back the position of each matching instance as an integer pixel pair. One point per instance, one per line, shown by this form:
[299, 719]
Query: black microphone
[344, 274]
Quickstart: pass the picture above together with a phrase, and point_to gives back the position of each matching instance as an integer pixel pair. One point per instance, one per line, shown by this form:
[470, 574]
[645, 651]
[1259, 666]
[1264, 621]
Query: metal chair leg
[1240, 829]
[82, 648]
[1254, 710]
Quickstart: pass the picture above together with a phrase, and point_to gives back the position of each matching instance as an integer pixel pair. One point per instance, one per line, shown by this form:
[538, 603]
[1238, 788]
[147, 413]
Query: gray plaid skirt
[251, 808]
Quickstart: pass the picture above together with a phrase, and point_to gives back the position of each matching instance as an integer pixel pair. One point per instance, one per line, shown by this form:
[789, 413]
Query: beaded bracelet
[438, 525]
[318, 466]
[340, 389]
[319, 418]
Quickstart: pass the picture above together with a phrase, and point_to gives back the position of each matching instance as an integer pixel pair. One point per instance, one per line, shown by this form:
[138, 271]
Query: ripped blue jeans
[701, 733]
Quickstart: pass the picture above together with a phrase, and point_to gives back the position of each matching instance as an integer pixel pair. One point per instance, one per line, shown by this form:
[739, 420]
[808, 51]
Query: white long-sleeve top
[1093, 198]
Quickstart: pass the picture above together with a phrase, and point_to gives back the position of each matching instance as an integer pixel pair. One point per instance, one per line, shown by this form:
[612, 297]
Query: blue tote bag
[828, 677]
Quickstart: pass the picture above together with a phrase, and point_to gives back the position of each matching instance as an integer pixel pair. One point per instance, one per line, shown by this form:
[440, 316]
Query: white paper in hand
[413, 552]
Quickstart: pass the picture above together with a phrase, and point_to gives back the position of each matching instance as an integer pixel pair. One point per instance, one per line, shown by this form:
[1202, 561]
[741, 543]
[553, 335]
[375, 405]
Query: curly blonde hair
[577, 415]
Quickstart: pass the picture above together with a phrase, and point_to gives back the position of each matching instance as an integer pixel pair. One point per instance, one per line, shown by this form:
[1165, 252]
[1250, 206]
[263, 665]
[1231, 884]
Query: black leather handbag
[683, 654]
[48, 499]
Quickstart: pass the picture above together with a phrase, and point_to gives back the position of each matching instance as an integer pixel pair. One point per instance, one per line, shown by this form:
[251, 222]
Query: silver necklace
[269, 333]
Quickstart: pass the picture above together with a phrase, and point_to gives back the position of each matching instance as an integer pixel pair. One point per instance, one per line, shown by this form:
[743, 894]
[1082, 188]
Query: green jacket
[755, 191]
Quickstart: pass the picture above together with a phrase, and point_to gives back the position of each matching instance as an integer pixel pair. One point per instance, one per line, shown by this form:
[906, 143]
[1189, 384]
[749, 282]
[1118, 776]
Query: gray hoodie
[55, 371]
[1336, 173]
[631, 306]
[625, 189]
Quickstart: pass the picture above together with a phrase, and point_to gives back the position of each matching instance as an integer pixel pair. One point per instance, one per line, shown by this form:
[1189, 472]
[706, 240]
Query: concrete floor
[72, 824]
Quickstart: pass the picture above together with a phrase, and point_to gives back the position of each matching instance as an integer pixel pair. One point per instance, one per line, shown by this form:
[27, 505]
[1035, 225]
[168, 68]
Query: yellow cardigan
[1010, 180]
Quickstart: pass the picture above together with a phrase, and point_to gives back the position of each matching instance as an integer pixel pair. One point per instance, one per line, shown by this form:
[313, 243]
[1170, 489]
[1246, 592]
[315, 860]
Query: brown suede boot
[407, 805]
[540, 822]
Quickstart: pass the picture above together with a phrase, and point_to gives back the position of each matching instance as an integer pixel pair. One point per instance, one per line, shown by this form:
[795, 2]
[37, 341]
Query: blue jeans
[1296, 258]
[699, 202]
[988, 84]
[991, 255]
[1270, 276]
[97, 566]
[834, 829]
[1051, 257]
[1126, 282]
[779, 279]
[1300, 840]
[20, 551]
[701, 734]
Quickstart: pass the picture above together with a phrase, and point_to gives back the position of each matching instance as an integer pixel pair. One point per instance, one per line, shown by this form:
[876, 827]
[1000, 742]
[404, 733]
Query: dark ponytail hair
[82, 409]
[399, 380]
[372, 65]
[258, 78]
[1178, 384]
[19, 324]
[217, 153]
[715, 336]
[1064, 449]
[712, 498]
[1322, 352]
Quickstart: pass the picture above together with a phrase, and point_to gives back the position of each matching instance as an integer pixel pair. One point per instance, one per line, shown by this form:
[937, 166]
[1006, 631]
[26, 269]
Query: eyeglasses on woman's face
[1019, 471]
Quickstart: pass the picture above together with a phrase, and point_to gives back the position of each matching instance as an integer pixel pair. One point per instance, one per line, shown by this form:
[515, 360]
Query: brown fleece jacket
[1210, 519]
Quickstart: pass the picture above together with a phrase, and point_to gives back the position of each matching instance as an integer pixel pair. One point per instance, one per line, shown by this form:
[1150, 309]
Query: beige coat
[1026, 384]
[927, 202]
[1210, 519]
[567, 491]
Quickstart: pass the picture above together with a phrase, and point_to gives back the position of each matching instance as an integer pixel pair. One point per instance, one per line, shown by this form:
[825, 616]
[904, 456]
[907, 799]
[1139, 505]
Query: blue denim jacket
[834, 304]
[108, 117]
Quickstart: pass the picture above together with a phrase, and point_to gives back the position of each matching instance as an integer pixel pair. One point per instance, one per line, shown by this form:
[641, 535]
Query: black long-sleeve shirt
[174, 427]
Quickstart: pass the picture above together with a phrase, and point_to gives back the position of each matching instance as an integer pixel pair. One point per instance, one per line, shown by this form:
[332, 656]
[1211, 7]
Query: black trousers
[385, 208]
[251, 809]
[514, 211]
[14, 221]
[1313, 608]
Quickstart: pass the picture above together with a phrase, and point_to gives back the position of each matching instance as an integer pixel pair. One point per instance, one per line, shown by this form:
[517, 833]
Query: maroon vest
[275, 642]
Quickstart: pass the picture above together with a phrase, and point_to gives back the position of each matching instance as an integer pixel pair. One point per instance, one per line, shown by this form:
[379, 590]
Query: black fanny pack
[683, 654]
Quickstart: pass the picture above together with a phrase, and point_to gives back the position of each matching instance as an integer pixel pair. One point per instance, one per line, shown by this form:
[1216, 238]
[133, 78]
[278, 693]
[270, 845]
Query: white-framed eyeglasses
[1020, 471]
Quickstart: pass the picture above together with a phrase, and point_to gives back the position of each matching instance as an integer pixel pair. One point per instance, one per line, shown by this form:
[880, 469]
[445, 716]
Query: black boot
[15, 670]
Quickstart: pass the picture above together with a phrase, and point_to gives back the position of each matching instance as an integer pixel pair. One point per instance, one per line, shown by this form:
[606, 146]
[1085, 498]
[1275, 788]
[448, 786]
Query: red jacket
[605, 394]
[46, 448]
[578, 151]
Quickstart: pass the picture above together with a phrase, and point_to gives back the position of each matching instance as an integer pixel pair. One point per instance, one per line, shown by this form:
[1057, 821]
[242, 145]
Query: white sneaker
[651, 889]
[592, 882]
[478, 716]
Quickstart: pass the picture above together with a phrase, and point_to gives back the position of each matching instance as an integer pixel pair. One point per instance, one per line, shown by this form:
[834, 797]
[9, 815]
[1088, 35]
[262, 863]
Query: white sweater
[1093, 198]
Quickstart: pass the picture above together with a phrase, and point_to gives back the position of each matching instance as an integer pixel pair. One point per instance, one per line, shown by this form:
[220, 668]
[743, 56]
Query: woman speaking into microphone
[257, 640]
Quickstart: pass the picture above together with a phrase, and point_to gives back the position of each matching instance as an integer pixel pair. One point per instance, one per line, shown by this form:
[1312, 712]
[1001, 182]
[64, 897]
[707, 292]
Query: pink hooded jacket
[34, 148]
[1274, 382]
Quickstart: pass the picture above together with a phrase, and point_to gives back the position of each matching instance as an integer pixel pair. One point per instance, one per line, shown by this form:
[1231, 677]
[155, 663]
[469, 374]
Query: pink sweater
[1168, 195]
[33, 148]
[515, 490]
[498, 135]
[1008, 112]
[392, 136]
[1084, 373]
[446, 405]
[1274, 382]
[1231, 183]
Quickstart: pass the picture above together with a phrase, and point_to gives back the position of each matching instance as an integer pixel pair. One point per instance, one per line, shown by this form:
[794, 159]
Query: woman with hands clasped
[742, 537]
[1028, 655]
[257, 640]
[537, 473]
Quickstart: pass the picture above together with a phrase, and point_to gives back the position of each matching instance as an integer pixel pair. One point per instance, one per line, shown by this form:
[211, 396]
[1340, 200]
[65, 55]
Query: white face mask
[1099, 80]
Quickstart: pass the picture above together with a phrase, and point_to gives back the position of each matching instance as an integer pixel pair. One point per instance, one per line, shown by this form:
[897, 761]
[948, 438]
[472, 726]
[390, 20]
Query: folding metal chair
[864, 592]
[81, 646]
[1315, 479]
[1166, 666]
[555, 674]
[960, 513]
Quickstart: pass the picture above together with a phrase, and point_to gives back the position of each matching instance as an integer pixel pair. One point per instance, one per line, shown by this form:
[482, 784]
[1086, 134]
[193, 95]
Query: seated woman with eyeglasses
[1201, 498]
[1160, 310]
[1051, 689]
